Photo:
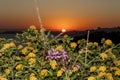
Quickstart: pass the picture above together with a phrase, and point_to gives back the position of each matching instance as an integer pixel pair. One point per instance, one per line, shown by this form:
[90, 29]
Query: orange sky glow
[59, 14]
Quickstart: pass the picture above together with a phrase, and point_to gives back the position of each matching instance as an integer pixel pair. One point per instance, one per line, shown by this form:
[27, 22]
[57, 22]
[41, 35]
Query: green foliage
[34, 56]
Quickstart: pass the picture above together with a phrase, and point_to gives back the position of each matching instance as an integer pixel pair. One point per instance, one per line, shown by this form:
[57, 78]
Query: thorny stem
[38, 14]
[87, 46]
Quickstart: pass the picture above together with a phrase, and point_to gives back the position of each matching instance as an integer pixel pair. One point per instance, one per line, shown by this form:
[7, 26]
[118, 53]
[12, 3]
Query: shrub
[36, 55]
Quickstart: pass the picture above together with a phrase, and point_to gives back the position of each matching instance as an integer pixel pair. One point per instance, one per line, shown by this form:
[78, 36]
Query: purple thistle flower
[56, 54]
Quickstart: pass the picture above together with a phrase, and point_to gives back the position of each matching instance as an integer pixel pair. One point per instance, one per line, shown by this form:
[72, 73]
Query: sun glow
[63, 30]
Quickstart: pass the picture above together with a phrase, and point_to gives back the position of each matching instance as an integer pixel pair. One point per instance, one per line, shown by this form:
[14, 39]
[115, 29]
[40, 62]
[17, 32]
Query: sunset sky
[60, 14]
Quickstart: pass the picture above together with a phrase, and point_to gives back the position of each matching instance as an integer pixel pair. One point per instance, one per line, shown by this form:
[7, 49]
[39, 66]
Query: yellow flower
[35, 51]
[59, 47]
[96, 44]
[103, 39]
[103, 56]
[32, 77]
[31, 55]
[75, 69]
[78, 42]
[30, 48]
[53, 64]
[6, 46]
[114, 68]
[108, 42]
[101, 74]
[2, 78]
[1, 54]
[65, 36]
[42, 30]
[91, 78]
[31, 61]
[93, 69]
[90, 44]
[29, 44]
[117, 62]
[44, 72]
[18, 58]
[117, 72]
[59, 73]
[24, 51]
[7, 71]
[109, 76]
[73, 45]
[102, 68]
[12, 44]
[19, 66]
[113, 56]
[32, 27]
[70, 72]
[20, 47]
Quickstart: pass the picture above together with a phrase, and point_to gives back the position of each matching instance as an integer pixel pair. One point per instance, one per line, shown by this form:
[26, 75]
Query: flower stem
[87, 46]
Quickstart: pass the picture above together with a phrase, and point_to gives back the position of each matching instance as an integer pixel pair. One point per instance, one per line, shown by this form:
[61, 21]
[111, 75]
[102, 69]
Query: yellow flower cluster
[91, 78]
[3, 78]
[96, 44]
[59, 47]
[44, 72]
[78, 42]
[32, 77]
[53, 64]
[109, 76]
[75, 69]
[116, 69]
[18, 58]
[103, 56]
[93, 69]
[35, 51]
[8, 45]
[73, 45]
[31, 55]
[117, 62]
[19, 66]
[102, 68]
[7, 71]
[42, 30]
[31, 61]
[90, 44]
[101, 74]
[65, 36]
[108, 42]
[20, 47]
[117, 72]
[24, 51]
[32, 27]
[60, 72]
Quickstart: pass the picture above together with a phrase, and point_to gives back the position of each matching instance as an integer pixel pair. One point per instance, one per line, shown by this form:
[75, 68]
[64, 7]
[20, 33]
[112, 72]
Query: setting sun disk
[63, 30]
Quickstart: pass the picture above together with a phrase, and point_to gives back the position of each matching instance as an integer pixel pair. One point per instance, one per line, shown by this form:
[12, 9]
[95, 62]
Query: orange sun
[63, 30]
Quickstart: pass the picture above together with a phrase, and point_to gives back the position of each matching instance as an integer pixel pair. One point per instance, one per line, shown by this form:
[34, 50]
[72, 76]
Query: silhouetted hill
[98, 34]
[95, 35]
